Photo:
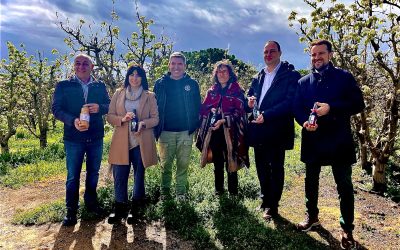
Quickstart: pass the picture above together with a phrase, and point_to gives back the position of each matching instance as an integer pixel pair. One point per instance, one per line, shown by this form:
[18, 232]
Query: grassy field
[209, 221]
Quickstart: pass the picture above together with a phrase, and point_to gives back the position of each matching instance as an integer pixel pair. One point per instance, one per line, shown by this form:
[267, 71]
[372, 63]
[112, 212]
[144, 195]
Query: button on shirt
[268, 78]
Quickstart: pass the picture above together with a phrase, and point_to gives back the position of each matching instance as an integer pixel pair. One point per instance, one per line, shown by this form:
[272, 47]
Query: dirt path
[377, 221]
[85, 235]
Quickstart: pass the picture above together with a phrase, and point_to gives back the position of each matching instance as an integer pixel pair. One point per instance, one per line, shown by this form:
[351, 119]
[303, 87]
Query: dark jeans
[121, 175]
[75, 152]
[271, 173]
[342, 176]
[219, 152]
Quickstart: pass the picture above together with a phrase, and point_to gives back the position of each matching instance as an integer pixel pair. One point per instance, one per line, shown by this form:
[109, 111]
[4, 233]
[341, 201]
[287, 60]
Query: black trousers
[342, 175]
[271, 173]
[219, 152]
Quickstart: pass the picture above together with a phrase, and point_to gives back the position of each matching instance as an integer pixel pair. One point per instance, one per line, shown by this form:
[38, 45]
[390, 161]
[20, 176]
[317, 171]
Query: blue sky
[243, 25]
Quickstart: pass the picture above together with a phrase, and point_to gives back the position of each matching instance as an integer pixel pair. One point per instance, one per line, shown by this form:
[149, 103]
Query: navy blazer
[276, 107]
[332, 142]
[67, 103]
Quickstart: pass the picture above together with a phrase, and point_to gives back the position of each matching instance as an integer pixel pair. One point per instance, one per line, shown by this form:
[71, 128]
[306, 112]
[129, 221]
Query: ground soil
[85, 235]
[377, 223]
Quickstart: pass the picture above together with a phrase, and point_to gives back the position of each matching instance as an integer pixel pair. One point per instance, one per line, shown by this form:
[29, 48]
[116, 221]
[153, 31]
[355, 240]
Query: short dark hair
[178, 55]
[228, 64]
[277, 44]
[322, 42]
[140, 72]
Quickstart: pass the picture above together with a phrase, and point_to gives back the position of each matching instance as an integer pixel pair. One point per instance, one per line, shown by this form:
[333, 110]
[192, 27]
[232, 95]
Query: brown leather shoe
[308, 223]
[269, 213]
[347, 241]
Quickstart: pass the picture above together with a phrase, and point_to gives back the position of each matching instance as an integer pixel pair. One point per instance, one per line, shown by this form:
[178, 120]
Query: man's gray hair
[178, 55]
[85, 56]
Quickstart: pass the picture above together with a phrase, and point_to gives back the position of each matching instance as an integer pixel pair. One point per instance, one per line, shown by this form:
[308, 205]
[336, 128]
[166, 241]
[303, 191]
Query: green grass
[209, 221]
[55, 211]
[30, 173]
[27, 163]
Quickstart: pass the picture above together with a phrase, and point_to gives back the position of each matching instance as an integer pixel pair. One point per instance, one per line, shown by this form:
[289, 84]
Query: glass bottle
[312, 119]
[256, 111]
[134, 122]
[213, 119]
[84, 117]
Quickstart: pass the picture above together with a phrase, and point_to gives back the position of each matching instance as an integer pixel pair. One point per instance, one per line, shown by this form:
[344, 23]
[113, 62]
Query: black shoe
[119, 213]
[70, 219]
[269, 213]
[136, 211]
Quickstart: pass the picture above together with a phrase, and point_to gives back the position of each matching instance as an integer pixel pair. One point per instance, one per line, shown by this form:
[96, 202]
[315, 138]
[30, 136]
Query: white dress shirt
[269, 77]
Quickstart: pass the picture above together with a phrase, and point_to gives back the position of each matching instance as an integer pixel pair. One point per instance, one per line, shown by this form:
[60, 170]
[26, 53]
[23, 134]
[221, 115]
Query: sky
[243, 26]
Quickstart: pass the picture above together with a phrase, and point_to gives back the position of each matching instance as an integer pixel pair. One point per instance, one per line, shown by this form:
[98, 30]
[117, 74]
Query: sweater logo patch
[187, 87]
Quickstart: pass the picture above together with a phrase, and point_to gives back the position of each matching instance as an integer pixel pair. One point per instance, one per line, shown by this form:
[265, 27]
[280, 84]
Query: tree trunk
[379, 177]
[4, 148]
[365, 163]
[43, 138]
[53, 122]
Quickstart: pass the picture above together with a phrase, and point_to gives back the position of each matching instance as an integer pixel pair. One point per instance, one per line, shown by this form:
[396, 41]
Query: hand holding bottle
[218, 124]
[323, 108]
[141, 126]
[309, 127]
[78, 125]
[259, 120]
[93, 107]
[128, 116]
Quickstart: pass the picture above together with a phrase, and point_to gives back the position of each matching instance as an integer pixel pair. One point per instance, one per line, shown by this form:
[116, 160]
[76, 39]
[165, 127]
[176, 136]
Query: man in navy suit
[329, 141]
[272, 131]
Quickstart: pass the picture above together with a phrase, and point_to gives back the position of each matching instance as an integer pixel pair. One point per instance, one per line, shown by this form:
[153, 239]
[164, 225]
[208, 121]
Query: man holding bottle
[271, 127]
[81, 92]
[329, 141]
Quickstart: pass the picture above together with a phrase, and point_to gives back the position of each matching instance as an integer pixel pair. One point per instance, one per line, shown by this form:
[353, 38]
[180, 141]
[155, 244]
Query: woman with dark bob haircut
[133, 112]
[221, 136]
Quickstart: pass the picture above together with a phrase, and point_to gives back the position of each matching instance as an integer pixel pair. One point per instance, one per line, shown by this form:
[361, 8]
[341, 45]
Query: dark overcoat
[276, 107]
[332, 142]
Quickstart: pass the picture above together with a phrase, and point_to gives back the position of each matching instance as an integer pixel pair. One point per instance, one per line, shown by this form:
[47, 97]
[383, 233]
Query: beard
[320, 67]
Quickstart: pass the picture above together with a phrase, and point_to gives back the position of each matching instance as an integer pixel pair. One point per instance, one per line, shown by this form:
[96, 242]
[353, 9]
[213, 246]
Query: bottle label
[134, 126]
[84, 117]
[312, 120]
[256, 113]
